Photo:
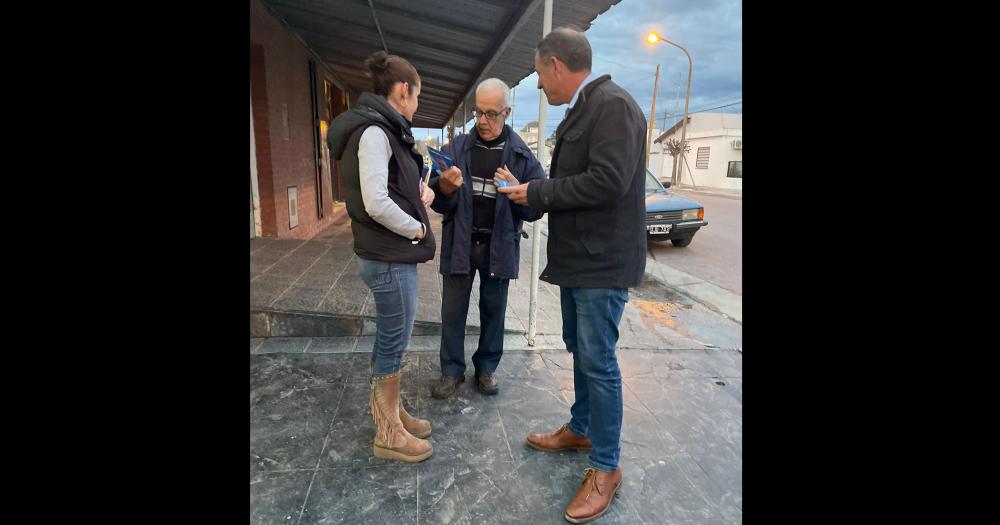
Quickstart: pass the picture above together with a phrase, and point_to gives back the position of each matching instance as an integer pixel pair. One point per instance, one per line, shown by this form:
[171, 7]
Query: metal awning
[453, 44]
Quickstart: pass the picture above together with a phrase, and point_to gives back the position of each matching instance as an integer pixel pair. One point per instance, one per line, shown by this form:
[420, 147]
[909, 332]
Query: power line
[678, 114]
[634, 82]
[679, 117]
[556, 116]
[717, 107]
[619, 64]
[723, 100]
[674, 118]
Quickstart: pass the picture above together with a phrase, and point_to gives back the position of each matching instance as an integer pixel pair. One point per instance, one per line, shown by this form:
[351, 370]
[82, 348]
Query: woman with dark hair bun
[387, 201]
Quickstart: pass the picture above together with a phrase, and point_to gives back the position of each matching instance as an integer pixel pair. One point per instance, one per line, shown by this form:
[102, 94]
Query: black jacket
[372, 240]
[595, 195]
[505, 241]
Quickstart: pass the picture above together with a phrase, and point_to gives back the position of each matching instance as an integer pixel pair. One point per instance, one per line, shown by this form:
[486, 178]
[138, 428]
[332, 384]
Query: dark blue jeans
[395, 288]
[455, 309]
[590, 330]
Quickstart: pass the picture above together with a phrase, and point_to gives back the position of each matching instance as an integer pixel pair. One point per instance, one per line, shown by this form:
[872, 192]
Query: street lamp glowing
[654, 38]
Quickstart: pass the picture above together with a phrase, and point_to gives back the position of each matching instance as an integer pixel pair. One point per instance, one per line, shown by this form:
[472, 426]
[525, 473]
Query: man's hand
[504, 174]
[426, 195]
[517, 194]
[451, 180]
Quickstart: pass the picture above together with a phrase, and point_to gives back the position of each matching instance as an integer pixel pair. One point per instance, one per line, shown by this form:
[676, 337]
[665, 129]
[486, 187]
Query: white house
[715, 159]
[529, 133]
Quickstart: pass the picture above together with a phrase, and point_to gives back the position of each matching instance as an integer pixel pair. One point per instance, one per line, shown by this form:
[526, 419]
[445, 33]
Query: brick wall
[279, 78]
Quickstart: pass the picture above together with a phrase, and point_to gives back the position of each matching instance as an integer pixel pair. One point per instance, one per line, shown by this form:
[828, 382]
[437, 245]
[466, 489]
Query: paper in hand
[440, 160]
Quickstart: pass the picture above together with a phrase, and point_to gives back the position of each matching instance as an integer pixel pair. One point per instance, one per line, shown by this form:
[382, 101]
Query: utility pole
[536, 227]
[513, 100]
[652, 116]
[663, 150]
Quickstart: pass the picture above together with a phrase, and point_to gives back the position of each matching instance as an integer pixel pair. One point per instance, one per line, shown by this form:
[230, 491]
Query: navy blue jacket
[505, 243]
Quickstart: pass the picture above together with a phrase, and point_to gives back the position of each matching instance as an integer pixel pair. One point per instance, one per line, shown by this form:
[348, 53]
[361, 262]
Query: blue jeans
[455, 310]
[590, 331]
[395, 288]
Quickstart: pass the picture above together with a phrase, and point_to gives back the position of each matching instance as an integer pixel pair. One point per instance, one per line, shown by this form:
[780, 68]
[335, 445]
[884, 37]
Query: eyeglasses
[490, 115]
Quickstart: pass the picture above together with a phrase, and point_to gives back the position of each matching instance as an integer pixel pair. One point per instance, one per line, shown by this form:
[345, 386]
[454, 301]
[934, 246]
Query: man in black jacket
[596, 249]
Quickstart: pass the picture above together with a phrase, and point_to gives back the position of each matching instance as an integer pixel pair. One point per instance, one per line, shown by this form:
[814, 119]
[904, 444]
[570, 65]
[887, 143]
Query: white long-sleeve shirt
[374, 153]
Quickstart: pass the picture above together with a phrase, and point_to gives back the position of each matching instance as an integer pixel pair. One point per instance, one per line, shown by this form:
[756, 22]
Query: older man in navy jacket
[482, 232]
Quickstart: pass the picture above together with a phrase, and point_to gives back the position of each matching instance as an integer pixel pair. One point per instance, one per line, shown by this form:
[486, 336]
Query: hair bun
[378, 62]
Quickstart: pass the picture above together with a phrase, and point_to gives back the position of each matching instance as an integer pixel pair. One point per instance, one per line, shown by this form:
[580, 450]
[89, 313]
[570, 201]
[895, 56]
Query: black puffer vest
[372, 240]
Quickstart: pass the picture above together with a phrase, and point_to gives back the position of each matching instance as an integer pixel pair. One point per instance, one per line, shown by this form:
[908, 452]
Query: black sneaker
[487, 384]
[446, 386]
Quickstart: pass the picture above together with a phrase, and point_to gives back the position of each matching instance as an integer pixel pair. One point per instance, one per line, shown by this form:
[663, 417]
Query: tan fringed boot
[420, 428]
[392, 440]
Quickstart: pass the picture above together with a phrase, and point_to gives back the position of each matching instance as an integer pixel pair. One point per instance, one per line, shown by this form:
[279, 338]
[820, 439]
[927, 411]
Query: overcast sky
[711, 30]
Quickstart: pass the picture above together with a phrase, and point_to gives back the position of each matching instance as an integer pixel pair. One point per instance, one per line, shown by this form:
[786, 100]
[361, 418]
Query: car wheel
[680, 243]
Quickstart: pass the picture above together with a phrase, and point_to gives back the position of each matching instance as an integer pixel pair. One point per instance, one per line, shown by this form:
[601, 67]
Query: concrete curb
[292, 323]
[715, 298]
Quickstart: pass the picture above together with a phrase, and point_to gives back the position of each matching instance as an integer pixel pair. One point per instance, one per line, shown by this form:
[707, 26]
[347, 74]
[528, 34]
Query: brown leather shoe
[487, 384]
[562, 439]
[594, 497]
